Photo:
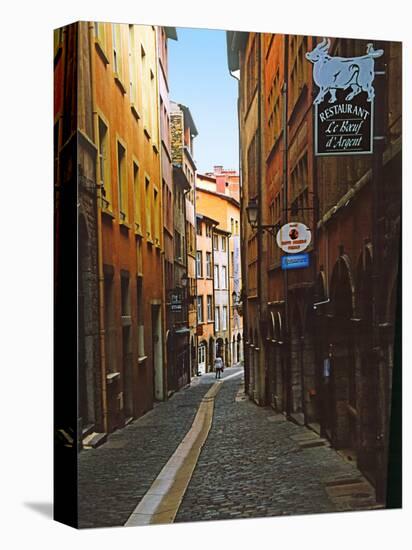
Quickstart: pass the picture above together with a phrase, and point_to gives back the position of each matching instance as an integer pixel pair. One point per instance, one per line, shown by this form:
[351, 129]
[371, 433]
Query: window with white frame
[224, 277]
[208, 265]
[209, 308]
[199, 264]
[224, 318]
[216, 273]
[217, 318]
[215, 242]
[200, 309]
[223, 242]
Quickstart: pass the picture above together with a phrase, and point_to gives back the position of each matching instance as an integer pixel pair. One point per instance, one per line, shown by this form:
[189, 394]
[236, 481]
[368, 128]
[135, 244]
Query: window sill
[107, 212]
[112, 377]
[137, 230]
[100, 51]
[124, 225]
[141, 360]
[119, 83]
[135, 112]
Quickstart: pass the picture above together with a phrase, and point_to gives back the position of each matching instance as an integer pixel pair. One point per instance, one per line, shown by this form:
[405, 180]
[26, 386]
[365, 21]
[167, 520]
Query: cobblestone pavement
[256, 464]
[114, 477]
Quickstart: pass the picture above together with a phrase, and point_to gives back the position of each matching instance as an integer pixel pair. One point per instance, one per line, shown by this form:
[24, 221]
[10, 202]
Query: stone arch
[342, 395]
[202, 357]
[342, 288]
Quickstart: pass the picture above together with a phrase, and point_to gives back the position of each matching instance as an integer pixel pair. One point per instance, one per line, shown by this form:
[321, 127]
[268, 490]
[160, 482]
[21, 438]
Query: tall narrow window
[224, 277]
[104, 162]
[215, 242]
[199, 227]
[137, 198]
[208, 265]
[140, 318]
[101, 40]
[117, 60]
[156, 215]
[199, 262]
[223, 244]
[144, 83]
[110, 325]
[132, 66]
[209, 308]
[200, 309]
[148, 208]
[217, 319]
[224, 318]
[216, 274]
[122, 181]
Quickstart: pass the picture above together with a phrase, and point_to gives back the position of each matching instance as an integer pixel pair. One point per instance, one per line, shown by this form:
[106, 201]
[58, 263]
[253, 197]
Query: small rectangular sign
[295, 261]
[344, 127]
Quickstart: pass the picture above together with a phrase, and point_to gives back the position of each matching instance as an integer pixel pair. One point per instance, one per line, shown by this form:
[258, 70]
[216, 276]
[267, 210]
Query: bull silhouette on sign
[341, 73]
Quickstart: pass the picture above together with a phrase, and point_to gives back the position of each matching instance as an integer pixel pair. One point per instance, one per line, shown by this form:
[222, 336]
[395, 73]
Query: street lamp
[184, 279]
[252, 212]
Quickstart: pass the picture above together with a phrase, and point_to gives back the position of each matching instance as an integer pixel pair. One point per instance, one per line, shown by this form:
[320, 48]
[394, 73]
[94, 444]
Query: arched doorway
[201, 357]
[341, 391]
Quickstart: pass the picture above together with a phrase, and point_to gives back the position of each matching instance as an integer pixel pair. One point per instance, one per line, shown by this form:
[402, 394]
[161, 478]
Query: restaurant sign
[293, 237]
[344, 104]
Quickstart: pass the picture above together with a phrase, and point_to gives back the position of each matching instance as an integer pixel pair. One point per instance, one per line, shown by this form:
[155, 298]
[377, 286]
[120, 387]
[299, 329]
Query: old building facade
[183, 132]
[319, 339]
[214, 199]
[205, 227]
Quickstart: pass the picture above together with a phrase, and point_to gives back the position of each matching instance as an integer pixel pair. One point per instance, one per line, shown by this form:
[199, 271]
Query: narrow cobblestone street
[254, 463]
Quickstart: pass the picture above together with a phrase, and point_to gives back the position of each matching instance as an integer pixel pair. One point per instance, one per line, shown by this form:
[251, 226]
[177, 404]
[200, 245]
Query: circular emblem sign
[293, 237]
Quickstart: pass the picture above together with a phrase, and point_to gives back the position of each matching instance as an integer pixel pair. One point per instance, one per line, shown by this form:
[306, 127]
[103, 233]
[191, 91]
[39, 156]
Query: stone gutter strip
[162, 501]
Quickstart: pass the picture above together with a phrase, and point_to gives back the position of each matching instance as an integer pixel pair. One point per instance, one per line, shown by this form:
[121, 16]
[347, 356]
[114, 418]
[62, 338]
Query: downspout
[228, 301]
[262, 388]
[286, 354]
[242, 240]
[382, 415]
[99, 197]
[186, 290]
[161, 221]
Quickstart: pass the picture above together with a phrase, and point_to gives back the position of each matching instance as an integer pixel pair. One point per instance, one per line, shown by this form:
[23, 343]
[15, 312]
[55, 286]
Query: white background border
[26, 273]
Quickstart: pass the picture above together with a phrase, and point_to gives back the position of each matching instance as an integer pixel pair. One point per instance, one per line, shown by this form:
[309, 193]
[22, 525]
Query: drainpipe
[377, 238]
[161, 223]
[285, 220]
[261, 391]
[242, 240]
[99, 198]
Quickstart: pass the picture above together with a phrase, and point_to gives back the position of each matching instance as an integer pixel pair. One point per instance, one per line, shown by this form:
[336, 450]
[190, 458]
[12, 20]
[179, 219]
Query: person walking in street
[218, 366]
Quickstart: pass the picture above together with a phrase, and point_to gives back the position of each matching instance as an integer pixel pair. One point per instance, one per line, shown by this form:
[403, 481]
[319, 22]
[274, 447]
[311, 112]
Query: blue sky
[199, 78]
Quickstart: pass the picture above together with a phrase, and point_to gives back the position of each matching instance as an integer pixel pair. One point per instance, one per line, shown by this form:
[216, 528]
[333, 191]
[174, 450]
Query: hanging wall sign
[293, 237]
[344, 104]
